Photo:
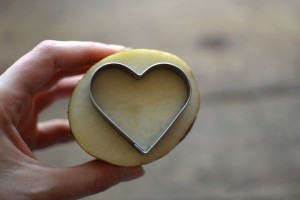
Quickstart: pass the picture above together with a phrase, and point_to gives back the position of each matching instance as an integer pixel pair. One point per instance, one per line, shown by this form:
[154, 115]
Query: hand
[27, 88]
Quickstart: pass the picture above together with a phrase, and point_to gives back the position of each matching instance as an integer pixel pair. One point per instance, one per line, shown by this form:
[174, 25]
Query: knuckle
[100, 183]
[46, 46]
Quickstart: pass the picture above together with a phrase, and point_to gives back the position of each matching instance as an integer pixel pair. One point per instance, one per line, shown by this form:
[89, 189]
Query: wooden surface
[245, 143]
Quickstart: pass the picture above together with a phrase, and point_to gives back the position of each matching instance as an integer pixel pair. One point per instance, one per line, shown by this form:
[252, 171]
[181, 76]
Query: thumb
[90, 178]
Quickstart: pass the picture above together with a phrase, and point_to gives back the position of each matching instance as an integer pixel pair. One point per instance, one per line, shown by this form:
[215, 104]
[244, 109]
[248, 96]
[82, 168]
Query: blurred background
[245, 55]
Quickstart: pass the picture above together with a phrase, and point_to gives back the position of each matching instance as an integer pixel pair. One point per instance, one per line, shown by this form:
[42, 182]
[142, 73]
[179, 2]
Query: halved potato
[142, 107]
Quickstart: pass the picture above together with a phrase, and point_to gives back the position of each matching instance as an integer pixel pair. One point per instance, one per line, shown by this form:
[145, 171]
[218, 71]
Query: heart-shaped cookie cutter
[139, 75]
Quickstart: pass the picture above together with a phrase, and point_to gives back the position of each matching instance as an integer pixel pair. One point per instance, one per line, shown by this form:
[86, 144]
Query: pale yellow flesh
[95, 135]
[143, 108]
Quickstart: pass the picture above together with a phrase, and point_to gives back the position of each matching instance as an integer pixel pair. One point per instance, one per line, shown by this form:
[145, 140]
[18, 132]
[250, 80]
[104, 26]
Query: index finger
[35, 68]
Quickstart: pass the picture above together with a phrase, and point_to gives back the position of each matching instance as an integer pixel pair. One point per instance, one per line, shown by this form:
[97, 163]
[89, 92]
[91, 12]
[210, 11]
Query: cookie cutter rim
[121, 66]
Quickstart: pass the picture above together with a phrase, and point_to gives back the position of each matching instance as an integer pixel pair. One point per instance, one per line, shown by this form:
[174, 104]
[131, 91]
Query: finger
[91, 178]
[62, 74]
[62, 89]
[34, 69]
[53, 132]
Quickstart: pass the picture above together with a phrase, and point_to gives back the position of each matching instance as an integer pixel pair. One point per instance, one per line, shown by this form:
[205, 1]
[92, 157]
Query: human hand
[28, 87]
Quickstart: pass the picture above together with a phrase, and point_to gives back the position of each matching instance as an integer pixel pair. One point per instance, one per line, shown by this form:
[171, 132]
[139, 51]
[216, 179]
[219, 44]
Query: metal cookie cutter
[167, 66]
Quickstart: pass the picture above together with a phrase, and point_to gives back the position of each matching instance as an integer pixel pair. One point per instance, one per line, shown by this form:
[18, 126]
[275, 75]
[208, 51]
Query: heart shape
[149, 101]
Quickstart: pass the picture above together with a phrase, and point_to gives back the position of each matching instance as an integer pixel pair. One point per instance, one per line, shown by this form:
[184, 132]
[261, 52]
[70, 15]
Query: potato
[143, 106]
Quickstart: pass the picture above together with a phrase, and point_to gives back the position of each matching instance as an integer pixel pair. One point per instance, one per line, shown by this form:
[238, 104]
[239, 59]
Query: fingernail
[132, 173]
[117, 47]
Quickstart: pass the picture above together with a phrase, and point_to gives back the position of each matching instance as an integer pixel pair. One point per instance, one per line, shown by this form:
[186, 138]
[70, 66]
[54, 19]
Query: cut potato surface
[142, 107]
